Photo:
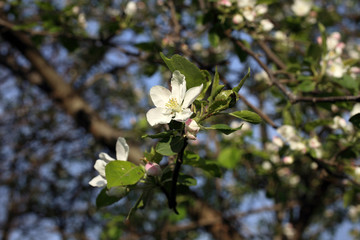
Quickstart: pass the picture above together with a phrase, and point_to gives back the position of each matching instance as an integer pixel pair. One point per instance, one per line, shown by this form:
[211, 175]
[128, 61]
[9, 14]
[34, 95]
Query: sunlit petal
[122, 149]
[178, 86]
[98, 181]
[100, 167]
[156, 116]
[159, 95]
[184, 115]
[191, 95]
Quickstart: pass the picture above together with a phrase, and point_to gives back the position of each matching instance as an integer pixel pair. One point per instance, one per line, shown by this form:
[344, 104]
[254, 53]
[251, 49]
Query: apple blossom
[225, 3]
[277, 141]
[191, 129]
[130, 8]
[172, 105]
[153, 169]
[122, 152]
[289, 134]
[237, 19]
[355, 110]
[266, 25]
[288, 160]
[301, 7]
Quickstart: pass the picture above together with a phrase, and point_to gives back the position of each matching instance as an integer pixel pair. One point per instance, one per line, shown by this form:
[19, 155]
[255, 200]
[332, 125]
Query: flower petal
[191, 95]
[159, 95]
[105, 157]
[100, 166]
[98, 181]
[122, 149]
[183, 115]
[178, 86]
[156, 116]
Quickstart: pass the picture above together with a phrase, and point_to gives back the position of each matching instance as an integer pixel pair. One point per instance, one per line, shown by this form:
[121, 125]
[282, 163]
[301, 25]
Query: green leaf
[229, 157]
[104, 200]
[194, 77]
[224, 100]
[348, 82]
[306, 86]
[314, 51]
[247, 116]
[153, 156]
[241, 83]
[355, 120]
[215, 88]
[170, 146]
[186, 180]
[208, 166]
[122, 173]
[159, 135]
[214, 38]
[223, 128]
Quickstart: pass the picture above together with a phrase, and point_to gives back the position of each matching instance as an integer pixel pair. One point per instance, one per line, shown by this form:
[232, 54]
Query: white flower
[277, 141]
[172, 105]
[355, 110]
[225, 3]
[357, 171]
[122, 152]
[191, 129]
[288, 160]
[266, 25]
[266, 166]
[82, 20]
[336, 68]
[237, 19]
[339, 122]
[301, 7]
[261, 9]
[246, 3]
[279, 35]
[314, 143]
[289, 134]
[130, 8]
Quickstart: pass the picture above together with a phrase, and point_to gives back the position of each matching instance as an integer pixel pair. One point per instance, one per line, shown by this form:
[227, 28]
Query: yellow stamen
[173, 105]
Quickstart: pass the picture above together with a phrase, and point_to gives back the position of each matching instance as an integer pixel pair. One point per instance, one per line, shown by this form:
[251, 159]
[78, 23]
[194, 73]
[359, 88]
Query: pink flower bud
[153, 169]
[191, 129]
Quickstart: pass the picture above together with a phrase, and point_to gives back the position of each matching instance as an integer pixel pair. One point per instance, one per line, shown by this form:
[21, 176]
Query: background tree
[75, 76]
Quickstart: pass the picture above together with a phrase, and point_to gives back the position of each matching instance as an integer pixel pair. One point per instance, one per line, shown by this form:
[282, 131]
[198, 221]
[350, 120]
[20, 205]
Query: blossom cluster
[169, 106]
[332, 62]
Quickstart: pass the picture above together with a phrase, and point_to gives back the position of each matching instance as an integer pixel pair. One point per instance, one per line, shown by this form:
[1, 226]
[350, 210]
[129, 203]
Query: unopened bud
[153, 169]
[191, 129]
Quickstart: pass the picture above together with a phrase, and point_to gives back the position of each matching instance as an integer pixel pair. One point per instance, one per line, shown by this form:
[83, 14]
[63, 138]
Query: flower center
[173, 105]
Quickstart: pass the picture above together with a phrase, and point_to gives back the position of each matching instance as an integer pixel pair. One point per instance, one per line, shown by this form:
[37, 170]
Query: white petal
[159, 95]
[184, 115]
[122, 149]
[191, 95]
[156, 116]
[98, 181]
[100, 166]
[105, 157]
[178, 86]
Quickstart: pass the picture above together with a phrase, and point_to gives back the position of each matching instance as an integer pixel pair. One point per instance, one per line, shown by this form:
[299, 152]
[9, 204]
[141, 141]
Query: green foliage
[229, 157]
[223, 128]
[104, 199]
[170, 146]
[122, 173]
[247, 116]
[355, 120]
[193, 76]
